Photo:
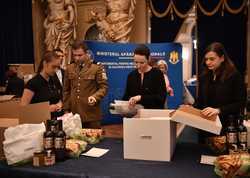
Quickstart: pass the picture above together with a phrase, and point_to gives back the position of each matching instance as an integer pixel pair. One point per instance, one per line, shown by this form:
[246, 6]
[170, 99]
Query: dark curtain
[16, 40]
[165, 29]
[229, 29]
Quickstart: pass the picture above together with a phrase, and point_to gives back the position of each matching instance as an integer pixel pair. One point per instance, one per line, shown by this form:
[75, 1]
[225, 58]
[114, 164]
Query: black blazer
[229, 96]
[152, 90]
[58, 84]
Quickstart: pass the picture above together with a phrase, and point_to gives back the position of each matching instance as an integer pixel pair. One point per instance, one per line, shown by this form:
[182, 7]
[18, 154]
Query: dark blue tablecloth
[185, 164]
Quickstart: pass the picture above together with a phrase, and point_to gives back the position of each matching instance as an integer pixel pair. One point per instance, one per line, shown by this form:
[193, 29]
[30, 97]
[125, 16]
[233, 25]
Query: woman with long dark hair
[221, 87]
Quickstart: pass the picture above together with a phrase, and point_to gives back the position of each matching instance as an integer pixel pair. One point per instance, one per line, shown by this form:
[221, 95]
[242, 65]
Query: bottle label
[231, 137]
[243, 147]
[48, 142]
[232, 148]
[242, 137]
[59, 143]
[49, 160]
[36, 161]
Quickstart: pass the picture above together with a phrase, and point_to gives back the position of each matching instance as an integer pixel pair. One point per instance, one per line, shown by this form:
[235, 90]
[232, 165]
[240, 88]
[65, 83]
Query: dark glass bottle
[48, 137]
[242, 135]
[231, 134]
[54, 125]
[60, 142]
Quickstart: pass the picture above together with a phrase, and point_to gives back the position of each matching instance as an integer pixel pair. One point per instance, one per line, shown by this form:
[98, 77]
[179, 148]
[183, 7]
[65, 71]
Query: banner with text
[117, 59]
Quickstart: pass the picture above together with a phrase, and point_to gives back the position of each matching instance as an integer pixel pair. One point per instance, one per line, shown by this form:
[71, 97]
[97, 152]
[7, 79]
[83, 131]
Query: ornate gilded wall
[86, 29]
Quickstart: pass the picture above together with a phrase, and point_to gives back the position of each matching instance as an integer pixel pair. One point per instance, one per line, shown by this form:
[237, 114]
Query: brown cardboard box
[23, 69]
[12, 114]
[26, 69]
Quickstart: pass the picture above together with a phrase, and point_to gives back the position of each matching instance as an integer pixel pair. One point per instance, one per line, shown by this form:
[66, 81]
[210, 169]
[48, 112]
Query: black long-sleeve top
[152, 89]
[229, 96]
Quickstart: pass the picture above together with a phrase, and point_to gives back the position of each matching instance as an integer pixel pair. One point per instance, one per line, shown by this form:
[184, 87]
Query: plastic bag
[22, 141]
[123, 108]
[71, 123]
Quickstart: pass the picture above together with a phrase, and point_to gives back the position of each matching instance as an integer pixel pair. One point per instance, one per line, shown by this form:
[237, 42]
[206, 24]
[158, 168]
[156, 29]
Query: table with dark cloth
[184, 164]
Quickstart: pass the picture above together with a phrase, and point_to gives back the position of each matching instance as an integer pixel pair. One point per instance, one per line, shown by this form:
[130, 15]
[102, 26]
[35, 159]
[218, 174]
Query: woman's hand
[133, 100]
[59, 105]
[208, 111]
[53, 108]
[170, 91]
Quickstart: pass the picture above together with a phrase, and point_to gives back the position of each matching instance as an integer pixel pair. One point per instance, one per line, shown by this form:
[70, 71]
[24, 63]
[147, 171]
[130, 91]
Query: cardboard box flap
[195, 120]
[196, 112]
[164, 113]
[34, 113]
[7, 122]
[153, 113]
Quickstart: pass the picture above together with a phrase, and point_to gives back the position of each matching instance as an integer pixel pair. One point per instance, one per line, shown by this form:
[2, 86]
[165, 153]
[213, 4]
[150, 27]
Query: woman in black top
[145, 85]
[41, 88]
[221, 88]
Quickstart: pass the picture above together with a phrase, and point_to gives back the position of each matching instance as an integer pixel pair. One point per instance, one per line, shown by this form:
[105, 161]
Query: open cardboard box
[151, 134]
[12, 114]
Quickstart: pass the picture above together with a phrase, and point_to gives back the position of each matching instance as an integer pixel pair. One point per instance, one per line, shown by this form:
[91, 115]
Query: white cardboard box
[151, 134]
[149, 138]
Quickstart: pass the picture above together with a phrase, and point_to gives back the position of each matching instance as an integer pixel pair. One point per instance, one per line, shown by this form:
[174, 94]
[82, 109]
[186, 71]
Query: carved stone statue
[117, 24]
[60, 24]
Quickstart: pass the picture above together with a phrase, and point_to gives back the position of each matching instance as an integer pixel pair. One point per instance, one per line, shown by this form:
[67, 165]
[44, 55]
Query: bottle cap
[48, 153]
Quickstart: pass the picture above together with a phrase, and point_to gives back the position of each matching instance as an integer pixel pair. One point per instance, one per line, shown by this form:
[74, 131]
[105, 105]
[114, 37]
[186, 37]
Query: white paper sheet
[205, 159]
[95, 152]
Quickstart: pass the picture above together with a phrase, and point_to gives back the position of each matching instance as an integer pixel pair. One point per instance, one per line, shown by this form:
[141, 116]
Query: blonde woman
[163, 66]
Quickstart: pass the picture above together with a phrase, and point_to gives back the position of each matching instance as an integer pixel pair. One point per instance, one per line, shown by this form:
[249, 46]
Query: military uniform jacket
[79, 84]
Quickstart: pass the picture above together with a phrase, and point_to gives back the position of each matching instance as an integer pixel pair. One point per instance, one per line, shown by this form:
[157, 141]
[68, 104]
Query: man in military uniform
[85, 85]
